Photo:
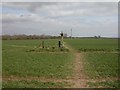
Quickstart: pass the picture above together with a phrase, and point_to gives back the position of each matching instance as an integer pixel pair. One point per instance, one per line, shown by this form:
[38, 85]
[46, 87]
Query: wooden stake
[59, 44]
[42, 44]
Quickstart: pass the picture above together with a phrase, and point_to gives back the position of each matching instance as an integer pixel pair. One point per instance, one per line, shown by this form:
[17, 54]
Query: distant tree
[95, 36]
[99, 36]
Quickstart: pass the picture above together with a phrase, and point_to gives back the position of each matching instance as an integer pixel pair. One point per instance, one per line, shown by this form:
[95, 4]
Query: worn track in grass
[79, 78]
[72, 80]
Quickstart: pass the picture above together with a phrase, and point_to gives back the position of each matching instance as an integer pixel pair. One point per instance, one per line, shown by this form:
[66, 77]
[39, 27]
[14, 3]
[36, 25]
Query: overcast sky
[49, 18]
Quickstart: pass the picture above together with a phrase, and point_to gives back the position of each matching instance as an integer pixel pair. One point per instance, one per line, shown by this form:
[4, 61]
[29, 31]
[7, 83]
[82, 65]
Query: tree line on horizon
[29, 37]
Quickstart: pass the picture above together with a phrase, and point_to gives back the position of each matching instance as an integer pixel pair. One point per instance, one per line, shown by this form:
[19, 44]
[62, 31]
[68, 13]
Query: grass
[92, 43]
[35, 84]
[98, 64]
[48, 49]
[20, 62]
[30, 43]
[112, 84]
[37, 64]
[101, 65]
[16, 61]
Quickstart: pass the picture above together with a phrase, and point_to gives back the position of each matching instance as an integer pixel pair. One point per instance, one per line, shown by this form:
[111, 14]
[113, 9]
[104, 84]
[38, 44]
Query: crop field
[100, 60]
[25, 66]
[17, 62]
[88, 43]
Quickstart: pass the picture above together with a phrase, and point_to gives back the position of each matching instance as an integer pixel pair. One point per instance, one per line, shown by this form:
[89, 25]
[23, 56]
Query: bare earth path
[79, 78]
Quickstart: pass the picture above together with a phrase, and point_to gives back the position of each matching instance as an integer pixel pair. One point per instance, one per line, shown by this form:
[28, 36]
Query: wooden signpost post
[59, 44]
[42, 44]
[61, 38]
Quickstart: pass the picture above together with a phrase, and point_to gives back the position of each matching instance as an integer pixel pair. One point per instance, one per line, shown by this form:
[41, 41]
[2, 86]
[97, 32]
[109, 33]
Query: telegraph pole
[71, 33]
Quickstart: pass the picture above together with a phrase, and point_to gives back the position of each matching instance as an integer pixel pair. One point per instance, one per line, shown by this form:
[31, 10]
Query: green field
[17, 62]
[88, 43]
[35, 84]
[99, 64]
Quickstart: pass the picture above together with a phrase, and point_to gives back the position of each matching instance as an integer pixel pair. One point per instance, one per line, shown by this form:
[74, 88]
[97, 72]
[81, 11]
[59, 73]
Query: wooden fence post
[42, 44]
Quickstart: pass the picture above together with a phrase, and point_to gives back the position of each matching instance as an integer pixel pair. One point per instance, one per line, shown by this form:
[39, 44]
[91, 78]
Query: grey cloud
[12, 18]
[51, 18]
[31, 6]
[63, 8]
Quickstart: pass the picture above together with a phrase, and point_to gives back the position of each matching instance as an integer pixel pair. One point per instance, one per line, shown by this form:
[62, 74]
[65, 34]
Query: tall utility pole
[71, 33]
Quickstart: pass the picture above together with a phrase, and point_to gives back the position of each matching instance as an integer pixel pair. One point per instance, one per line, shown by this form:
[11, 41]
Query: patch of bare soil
[30, 78]
[80, 79]
[72, 80]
